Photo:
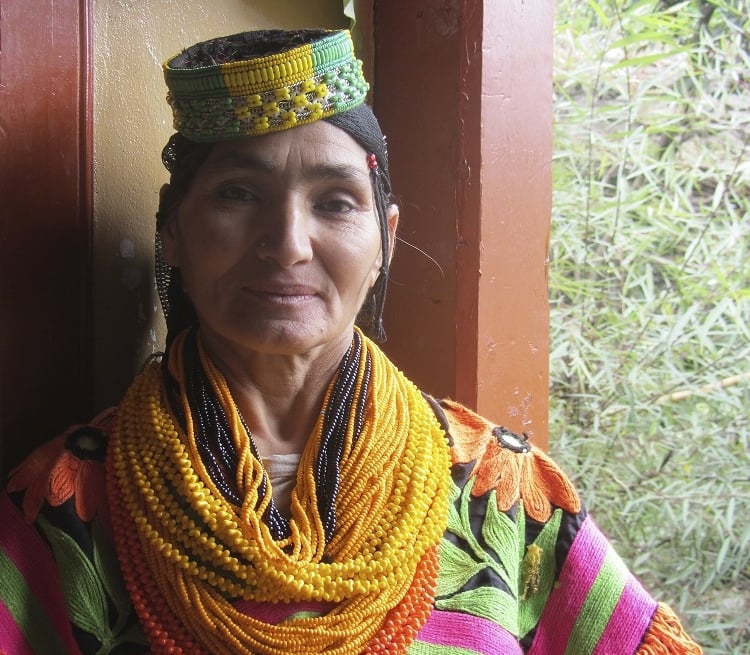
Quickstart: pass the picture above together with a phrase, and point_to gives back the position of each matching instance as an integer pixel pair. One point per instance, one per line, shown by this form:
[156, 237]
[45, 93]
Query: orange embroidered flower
[69, 466]
[33, 476]
[508, 464]
[543, 485]
[469, 432]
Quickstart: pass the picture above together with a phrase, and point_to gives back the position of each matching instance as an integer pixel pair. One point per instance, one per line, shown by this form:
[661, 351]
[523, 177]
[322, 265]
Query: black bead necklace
[213, 435]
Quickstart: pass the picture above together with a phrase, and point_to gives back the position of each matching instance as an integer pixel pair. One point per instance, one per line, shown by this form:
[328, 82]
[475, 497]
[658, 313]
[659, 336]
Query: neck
[279, 396]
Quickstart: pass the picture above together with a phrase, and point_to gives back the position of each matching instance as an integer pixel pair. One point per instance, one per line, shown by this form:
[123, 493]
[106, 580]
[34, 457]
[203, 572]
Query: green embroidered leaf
[466, 532]
[456, 568]
[462, 528]
[133, 635]
[487, 602]
[532, 604]
[83, 591]
[521, 529]
[454, 520]
[307, 614]
[502, 535]
[108, 568]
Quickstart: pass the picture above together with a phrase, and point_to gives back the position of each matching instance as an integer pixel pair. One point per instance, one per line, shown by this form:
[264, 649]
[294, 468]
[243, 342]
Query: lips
[281, 292]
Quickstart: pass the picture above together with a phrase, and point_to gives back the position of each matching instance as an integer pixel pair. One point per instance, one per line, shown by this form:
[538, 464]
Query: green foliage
[650, 293]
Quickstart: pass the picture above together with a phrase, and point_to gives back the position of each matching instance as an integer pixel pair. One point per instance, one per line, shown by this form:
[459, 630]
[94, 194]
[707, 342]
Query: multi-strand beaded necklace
[197, 533]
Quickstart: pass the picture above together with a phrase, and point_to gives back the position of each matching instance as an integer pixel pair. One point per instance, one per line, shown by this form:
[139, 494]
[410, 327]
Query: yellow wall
[132, 122]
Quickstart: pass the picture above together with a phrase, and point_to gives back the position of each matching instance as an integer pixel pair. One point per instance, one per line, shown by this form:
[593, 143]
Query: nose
[285, 237]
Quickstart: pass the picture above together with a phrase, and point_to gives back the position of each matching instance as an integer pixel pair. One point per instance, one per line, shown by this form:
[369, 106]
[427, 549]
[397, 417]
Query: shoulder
[495, 459]
[571, 584]
[68, 468]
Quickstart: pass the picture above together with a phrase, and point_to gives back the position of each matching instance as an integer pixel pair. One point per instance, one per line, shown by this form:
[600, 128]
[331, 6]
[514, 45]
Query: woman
[273, 484]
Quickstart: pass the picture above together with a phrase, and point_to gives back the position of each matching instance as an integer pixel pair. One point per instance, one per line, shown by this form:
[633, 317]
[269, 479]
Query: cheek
[375, 270]
[204, 268]
[215, 233]
[369, 255]
[206, 262]
[169, 244]
[210, 246]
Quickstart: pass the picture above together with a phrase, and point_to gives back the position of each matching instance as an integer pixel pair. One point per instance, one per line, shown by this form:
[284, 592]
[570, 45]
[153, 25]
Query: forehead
[316, 146]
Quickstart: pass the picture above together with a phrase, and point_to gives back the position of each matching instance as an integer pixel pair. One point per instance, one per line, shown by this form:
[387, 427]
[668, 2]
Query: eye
[336, 206]
[238, 193]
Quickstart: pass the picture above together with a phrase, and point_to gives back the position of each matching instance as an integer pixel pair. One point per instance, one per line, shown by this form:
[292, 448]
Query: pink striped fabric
[32, 557]
[12, 641]
[578, 574]
[468, 633]
[629, 621]
[275, 613]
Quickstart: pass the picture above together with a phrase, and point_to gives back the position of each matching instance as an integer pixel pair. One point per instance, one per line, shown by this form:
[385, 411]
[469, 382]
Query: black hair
[245, 45]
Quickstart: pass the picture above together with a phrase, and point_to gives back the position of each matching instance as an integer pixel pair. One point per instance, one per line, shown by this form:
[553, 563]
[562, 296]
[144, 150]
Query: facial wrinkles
[292, 191]
[295, 159]
[309, 172]
[295, 171]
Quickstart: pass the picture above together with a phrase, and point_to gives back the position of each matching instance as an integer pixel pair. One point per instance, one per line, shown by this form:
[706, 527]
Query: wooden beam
[464, 92]
[45, 232]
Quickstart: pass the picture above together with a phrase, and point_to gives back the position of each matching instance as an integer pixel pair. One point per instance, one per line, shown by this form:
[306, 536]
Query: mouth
[281, 294]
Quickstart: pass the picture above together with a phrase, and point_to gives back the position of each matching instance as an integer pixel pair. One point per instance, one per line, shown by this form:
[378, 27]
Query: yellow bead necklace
[202, 554]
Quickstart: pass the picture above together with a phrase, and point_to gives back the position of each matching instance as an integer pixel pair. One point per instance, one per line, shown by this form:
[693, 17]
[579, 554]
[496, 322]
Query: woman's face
[277, 240]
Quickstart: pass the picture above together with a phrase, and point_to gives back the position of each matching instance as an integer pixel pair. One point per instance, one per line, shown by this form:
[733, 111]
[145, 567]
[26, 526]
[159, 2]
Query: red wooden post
[45, 229]
[464, 92]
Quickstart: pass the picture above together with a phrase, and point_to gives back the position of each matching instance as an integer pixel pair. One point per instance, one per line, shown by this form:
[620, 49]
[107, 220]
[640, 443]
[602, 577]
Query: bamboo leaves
[650, 292]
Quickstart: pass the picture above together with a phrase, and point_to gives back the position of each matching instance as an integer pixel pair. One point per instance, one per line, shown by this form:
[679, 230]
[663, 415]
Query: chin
[289, 337]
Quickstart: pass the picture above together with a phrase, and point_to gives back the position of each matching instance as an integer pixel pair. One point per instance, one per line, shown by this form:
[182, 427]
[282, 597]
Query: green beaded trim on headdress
[267, 93]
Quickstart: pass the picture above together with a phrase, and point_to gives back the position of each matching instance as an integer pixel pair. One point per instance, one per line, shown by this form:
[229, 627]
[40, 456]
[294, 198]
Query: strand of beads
[150, 606]
[201, 553]
[404, 621]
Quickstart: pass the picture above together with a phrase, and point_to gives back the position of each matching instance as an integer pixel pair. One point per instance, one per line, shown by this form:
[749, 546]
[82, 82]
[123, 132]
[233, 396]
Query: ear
[168, 233]
[392, 213]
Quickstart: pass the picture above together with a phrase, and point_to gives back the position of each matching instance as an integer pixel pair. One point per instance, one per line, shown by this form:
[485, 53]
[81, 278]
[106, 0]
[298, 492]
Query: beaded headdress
[263, 81]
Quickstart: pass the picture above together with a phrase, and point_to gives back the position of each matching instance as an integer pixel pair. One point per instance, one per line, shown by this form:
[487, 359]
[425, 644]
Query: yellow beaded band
[269, 93]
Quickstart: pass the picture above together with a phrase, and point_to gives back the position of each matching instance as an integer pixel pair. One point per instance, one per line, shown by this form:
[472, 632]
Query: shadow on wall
[129, 302]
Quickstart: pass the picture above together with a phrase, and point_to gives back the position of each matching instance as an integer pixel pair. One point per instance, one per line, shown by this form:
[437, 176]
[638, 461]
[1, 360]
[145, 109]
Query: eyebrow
[241, 160]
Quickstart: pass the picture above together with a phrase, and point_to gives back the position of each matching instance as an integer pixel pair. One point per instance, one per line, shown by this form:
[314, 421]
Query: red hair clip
[372, 161]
